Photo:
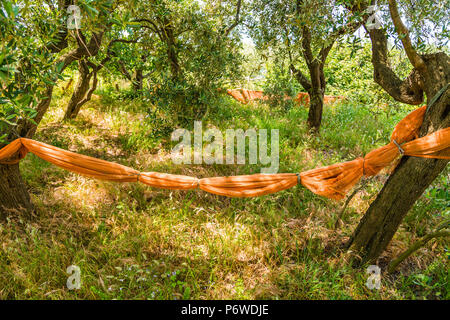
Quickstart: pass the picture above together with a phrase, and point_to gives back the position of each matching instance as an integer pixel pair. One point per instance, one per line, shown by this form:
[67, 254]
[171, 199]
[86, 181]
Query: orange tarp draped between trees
[302, 98]
[245, 96]
[332, 181]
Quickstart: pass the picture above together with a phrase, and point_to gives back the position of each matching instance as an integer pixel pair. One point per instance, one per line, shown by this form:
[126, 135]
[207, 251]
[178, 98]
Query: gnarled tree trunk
[316, 96]
[14, 196]
[385, 214]
[79, 92]
[413, 175]
[83, 90]
[136, 78]
[315, 111]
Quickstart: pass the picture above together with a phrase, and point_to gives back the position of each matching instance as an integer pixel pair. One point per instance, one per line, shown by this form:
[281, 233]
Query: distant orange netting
[332, 181]
[245, 96]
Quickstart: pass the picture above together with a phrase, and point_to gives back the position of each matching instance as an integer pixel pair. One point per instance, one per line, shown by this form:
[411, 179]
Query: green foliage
[135, 242]
[280, 86]
[349, 72]
[25, 64]
[183, 52]
[427, 21]
[34, 37]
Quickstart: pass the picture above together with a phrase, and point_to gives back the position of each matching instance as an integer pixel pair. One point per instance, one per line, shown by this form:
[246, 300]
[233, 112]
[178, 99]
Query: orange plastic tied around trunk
[331, 181]
[336, 180]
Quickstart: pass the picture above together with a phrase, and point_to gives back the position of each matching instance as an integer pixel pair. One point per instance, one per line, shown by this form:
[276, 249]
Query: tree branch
[403, 33]
[82, 50]
[346, 29]
[416, 246]
[409, 90]
[153, 27]
[91, 90]
[236, 19]
[304, 81]
[306, 45]
[124, 70]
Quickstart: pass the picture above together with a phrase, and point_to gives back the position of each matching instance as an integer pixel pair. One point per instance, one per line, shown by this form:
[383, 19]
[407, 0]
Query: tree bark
[172, 54]
[138, 79]
[83, 90]
[431, 75]
[173, 60]
[14, 196]
[80, 91]
[316, 90]
[315, 110]
[316, 95]
[408, 90]
[411, 177]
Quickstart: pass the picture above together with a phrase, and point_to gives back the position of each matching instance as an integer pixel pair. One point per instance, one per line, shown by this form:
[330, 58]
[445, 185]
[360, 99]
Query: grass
[134, 242]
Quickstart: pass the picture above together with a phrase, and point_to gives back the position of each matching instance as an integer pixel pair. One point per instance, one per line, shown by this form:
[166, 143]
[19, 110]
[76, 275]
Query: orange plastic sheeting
[249, 185]
[336, 180]
[332, 181]
[88, 166]
[237, 186]
[245, 96]
[302, 98]
[332, 99]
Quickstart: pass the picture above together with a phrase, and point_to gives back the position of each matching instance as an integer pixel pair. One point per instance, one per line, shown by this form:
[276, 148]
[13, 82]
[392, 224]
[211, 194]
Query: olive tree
[39, 46]
[305, 30]
[194, 48]
[421, 29]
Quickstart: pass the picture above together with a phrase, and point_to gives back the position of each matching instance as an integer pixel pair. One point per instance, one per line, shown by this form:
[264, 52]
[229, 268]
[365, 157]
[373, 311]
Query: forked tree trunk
[80, 91]
[411, 177]
[14, 196]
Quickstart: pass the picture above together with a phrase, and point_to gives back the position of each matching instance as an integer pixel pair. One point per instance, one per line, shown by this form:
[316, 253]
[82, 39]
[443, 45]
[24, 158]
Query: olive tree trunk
[83, 90]
[315, 109]
[384, 216]
[413, 175]
[138, 79]
[14, 196]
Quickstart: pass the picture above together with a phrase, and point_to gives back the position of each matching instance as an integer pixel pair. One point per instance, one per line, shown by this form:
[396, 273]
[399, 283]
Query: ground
[134, 242]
